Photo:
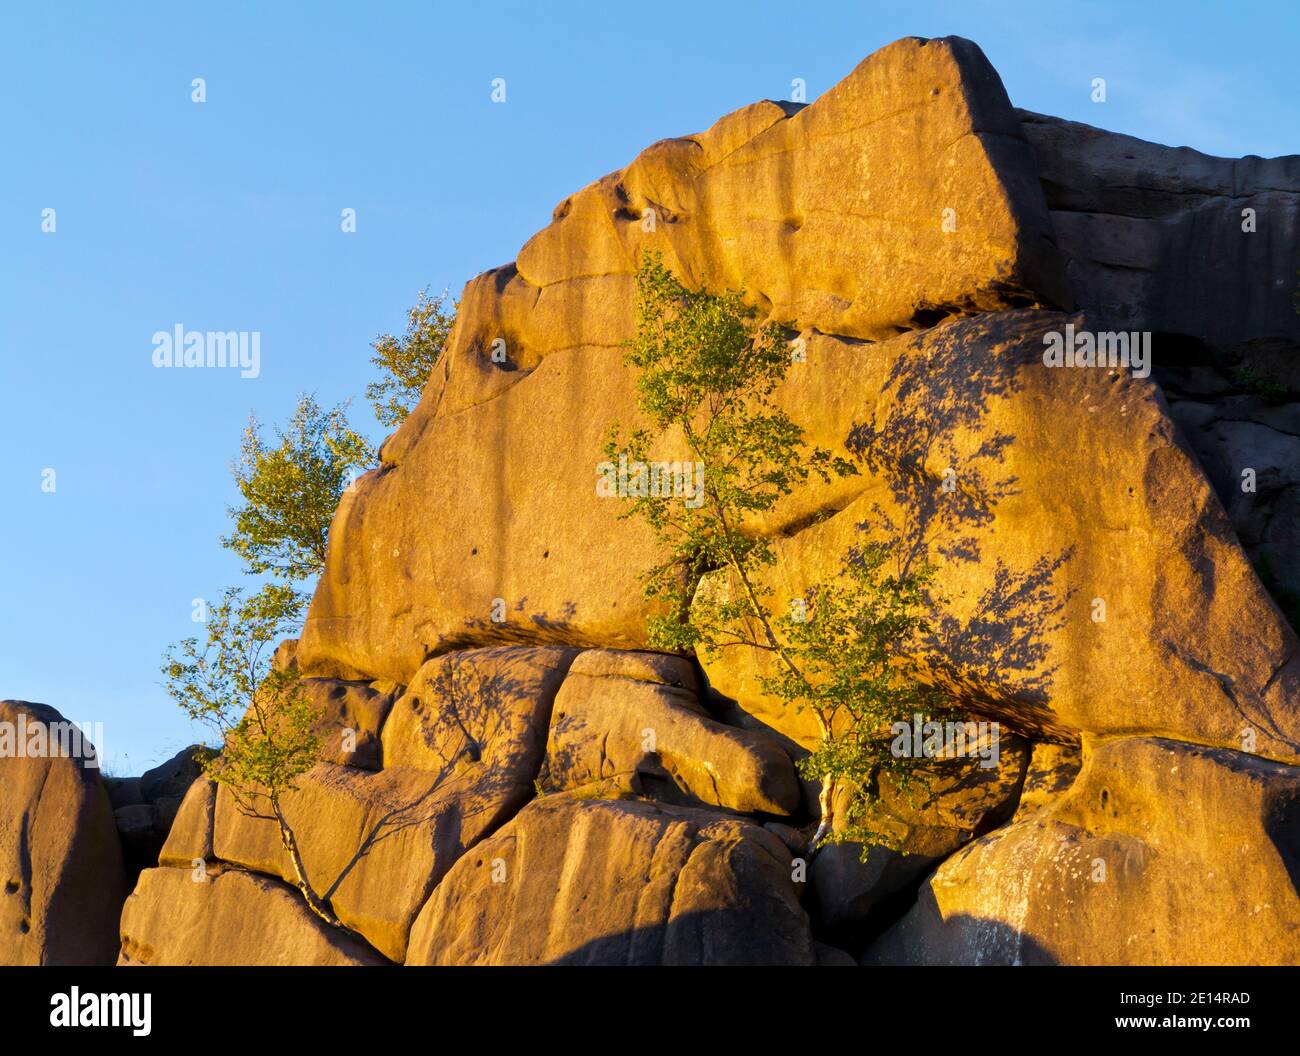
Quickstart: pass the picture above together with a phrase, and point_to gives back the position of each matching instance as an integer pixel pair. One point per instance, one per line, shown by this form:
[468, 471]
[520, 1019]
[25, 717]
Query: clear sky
[225, 215]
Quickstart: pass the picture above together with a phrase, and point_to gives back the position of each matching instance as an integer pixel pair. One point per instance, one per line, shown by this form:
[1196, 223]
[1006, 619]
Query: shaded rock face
[145, 807]
[1202, 252]
[173, 778]
[1160, 853]
[638, 884]
[1250, 448]
[60, 860]
[1154, 238]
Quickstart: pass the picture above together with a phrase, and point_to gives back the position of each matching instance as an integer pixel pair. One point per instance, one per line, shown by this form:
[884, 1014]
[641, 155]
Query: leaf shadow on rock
[536, 628]
[461, 712]
[933, 445]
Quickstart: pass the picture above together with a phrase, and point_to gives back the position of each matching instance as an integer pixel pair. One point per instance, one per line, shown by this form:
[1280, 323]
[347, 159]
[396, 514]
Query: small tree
[259, 714]
[291, 489]
[707, 373]
[849, 641]
[408, 361]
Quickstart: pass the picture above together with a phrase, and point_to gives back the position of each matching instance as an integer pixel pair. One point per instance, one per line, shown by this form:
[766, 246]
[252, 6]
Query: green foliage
[848, 645]
[407, 361]
[1258, 385]
[707, 373]
[291, 489]
[260, 715]
[706, 378]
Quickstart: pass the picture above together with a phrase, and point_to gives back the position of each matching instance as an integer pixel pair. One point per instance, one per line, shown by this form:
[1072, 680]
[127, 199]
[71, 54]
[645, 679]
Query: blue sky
[225, 215]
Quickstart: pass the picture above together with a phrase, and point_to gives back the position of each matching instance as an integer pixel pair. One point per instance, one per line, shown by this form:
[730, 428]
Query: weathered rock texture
[463, 744]
[959, 800]
[60, 860]
[1250, 448]
[351, 715]
[1156, 238]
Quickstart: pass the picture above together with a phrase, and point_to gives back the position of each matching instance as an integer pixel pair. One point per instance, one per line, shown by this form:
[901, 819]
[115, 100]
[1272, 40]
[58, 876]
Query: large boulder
[189, 838]
[1081, 586]
[179, 917]
[615, 723]
[572, 881]
[60, 860]
[1159, 853]
[375, 842]
[480, 711]
[174, 776]
[904, 194]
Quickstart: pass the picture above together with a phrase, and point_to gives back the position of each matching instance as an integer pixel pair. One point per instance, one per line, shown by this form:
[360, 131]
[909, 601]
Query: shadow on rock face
[1283, 827]
[934, 403]
[719, 937]
[978, 942]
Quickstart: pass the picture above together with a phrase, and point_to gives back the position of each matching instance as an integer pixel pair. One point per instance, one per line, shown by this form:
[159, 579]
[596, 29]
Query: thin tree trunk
[824, 800]
[827, 794]
[290, 843]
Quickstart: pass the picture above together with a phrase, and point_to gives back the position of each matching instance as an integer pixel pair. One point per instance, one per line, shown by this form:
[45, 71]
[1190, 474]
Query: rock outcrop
[825, 214]
[510, 776]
